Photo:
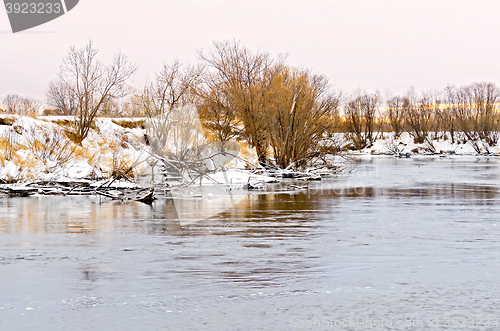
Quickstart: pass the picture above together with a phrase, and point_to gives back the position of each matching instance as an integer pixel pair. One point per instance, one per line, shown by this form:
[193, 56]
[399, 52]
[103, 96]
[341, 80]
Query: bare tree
[163, 100]
[59, 96]
[84, 86]
[302, 113]
[418, 113]
[360, 112]
[395, 114]
[486, 97]
[174, 87]
[275, 108]
[217, 110]
[461, 104]
[17, 104]
[445, 112]
[241, 75]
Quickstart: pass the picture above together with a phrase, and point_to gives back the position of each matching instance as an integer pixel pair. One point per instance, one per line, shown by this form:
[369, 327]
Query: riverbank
[40, 149]
[440, 143]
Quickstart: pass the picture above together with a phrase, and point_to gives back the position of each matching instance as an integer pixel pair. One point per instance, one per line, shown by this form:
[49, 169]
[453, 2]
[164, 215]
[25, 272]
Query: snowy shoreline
[404, 145]
[37, 149]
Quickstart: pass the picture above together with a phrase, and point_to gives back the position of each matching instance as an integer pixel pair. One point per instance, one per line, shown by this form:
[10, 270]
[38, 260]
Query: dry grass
[130, 124]
[63, 122]
[122, 167]
[41, 147]
[8, 145]
[52, 146]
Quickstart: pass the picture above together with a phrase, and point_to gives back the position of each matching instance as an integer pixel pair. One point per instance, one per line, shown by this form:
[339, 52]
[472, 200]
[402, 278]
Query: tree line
[463, 114]
[291, 116]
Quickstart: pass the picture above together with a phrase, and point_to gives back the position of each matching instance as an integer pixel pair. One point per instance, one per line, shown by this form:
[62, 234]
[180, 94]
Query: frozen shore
[38, 149]
[404, 145]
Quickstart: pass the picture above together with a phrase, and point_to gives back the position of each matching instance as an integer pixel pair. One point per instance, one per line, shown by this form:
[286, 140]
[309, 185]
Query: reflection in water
[473, 193]
[211, 201]
[394, 239]
[94, 214]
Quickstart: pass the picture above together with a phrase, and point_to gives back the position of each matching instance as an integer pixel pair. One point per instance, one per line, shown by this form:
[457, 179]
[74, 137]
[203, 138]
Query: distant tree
[395, 114]
[475, 111]
[360, 112]
[445, 112]
[173, 87]
[60, 98]
[418, 114]
[132, 106]
[85, 86]
[16, 104]
[486, 97]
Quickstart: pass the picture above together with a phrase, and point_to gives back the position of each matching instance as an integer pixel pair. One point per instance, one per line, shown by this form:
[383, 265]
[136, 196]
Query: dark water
[412, 241]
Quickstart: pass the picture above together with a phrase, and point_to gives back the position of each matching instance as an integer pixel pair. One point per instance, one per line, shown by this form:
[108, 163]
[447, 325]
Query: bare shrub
[122, 167]
[394, 147]
[50, 144]
[301, 116]
[128, 123]
[240, 76]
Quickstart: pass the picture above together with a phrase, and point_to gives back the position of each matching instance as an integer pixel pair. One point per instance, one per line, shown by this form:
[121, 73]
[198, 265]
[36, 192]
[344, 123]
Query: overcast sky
[367, 44]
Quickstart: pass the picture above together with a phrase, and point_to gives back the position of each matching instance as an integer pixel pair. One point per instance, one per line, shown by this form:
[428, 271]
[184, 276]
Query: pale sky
[368, 44]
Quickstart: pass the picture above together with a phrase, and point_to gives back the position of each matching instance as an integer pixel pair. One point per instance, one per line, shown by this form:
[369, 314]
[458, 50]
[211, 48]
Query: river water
[392, 242]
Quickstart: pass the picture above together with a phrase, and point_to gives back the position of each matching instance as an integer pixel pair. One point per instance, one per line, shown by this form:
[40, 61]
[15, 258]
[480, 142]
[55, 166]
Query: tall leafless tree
[241, 75]
[174, 86]
[84, 85]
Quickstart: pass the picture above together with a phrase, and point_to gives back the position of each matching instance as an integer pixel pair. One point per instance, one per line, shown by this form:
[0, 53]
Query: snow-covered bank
[387, 144]
[39, 149]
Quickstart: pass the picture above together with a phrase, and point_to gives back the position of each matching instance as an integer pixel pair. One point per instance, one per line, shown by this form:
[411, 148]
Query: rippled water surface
[395, 239]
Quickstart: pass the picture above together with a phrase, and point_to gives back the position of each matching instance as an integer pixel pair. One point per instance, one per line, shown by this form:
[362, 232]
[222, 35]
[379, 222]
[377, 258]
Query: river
[414, 243]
